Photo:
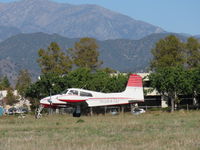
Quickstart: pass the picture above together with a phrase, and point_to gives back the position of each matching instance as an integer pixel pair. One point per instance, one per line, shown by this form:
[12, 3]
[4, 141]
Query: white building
[21, 102]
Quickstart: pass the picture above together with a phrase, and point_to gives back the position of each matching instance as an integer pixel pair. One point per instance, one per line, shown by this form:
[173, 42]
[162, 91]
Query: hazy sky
[181, 16]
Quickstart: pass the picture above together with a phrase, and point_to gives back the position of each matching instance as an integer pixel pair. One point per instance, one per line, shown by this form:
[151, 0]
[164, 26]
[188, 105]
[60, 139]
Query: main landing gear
[136, 110]
[77, 111]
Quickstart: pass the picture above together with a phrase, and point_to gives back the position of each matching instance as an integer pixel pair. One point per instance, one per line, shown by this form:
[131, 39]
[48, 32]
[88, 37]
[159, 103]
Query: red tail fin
[134, 81]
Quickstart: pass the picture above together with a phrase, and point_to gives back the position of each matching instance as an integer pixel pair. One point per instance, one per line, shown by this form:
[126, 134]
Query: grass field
[152, 130]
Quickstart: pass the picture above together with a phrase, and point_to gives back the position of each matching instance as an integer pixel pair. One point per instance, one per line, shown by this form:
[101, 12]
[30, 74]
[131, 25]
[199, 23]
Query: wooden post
[122, 109]
[105, 109]
[50, 111]
[57, 111]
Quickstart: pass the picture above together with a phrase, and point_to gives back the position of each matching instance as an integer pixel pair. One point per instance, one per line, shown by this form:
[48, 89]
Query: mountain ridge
[73, 21]
[121, 54]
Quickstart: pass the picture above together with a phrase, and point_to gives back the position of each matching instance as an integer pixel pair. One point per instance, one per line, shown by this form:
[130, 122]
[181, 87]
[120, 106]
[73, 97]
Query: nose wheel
[38, 112]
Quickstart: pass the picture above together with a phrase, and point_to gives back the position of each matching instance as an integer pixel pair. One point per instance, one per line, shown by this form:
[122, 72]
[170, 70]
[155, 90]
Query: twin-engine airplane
[80, 97]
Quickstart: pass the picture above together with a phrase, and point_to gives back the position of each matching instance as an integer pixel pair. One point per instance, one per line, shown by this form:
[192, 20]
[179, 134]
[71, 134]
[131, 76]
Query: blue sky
[182, 16]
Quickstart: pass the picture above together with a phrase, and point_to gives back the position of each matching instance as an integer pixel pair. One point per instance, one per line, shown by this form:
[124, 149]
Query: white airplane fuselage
[76, 97]
[99, 99]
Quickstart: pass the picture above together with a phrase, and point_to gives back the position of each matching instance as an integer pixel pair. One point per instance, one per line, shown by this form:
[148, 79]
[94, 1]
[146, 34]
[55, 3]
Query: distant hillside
[72, 21]
[197, 36]
[22, 49]
[122, 55]
[9, 68]
[6, 32]
[131, 55]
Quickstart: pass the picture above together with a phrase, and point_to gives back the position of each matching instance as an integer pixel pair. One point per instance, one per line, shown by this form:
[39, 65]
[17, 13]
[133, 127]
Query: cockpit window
[64, 92]
[85, 94]
[73, 92]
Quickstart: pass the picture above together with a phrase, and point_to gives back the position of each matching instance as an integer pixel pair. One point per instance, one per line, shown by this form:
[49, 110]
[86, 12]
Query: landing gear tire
[77, 111]
[76, 114]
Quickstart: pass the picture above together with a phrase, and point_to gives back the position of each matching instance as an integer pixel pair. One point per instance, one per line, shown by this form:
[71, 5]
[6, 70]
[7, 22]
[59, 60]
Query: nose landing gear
[38, 112]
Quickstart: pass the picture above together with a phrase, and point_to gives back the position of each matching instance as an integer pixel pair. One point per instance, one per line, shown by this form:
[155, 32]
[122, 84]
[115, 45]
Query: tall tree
[195, 76]
[85, 53]
[4, 84]
[53, 60]
[49, 84]
[10, 98]
[168, 52]
[193, 53]
[23, 82]
[171, 82]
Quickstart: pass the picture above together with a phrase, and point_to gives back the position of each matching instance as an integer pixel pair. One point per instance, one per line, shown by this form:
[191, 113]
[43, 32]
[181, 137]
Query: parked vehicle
[13, 110]
[138, 111]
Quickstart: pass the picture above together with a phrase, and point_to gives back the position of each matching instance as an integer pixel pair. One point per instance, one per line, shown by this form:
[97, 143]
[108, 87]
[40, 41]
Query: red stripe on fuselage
[111, 98]
[71, 101]
[52, 104]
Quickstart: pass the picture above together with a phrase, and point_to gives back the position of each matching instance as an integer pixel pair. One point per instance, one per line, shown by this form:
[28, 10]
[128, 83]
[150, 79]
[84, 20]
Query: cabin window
[73, 92]
[85, 94]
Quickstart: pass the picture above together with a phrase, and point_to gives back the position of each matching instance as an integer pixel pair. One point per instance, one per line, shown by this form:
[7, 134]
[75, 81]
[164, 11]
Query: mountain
[22, 49]
[197, 36]
[131, 55]
[72, 21]
[123, 55]
[6, 32]
[9, 68]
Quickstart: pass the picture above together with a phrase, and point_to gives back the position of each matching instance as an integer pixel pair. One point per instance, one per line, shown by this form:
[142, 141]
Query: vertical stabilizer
[134, 81]
[134, 88]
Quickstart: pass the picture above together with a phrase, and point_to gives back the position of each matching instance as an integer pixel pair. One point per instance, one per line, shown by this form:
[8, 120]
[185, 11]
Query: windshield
[64, 92]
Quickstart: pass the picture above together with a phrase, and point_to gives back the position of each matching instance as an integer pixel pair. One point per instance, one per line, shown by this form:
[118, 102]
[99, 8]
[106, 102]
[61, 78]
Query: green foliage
[195, 76]
[116, 83]
[171, 52]
[172, 81]
[48, 84]
[4, 83]
[85, 53]
[108, 70]
[79, 78]
[53, 60]
[168, 52]
[10, 98]
[171, 61]
[23, 82]
[192, 52]
[97, 81]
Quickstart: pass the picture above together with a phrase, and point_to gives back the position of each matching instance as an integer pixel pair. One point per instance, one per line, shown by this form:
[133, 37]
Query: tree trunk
[195, 98]
[172, 104]
[175, 100]
[194, 101]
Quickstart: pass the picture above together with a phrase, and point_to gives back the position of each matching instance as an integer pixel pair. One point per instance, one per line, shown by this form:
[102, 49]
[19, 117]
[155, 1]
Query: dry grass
[157, 130]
